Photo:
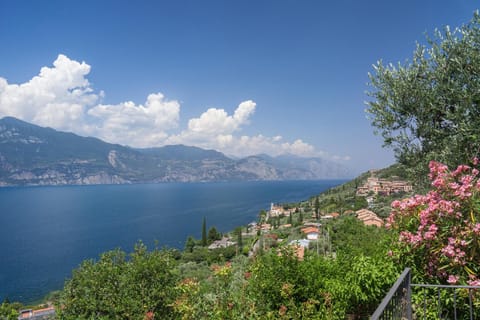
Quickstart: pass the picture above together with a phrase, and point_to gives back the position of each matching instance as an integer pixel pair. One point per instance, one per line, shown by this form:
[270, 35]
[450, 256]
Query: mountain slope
[33, 155]
[290, 167]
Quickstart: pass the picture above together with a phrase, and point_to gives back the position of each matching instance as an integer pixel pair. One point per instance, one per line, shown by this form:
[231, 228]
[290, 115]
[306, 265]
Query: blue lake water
[45, 232]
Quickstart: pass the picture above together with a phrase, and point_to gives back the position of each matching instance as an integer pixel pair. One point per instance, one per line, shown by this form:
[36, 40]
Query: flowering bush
[439, 233]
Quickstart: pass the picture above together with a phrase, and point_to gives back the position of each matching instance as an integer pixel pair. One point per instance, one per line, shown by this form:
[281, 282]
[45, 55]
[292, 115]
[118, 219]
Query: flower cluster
[439, 233]
[222, 271]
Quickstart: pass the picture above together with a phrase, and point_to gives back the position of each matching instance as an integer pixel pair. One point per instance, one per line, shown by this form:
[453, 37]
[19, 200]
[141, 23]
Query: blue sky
[242, 77]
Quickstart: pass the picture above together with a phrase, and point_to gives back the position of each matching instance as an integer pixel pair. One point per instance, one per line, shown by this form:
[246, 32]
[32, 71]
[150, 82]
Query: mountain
[33, 155]
[290, 167]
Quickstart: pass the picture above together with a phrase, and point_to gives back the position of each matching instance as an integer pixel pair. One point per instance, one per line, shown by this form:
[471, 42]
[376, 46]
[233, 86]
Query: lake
[45, 232]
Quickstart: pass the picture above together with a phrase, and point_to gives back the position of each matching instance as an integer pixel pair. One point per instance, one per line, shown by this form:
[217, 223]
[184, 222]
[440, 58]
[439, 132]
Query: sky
[241, 77]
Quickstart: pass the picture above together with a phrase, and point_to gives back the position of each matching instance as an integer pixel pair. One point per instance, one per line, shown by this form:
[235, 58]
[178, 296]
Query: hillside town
[375, 185]
[311, 231]
[305, 233]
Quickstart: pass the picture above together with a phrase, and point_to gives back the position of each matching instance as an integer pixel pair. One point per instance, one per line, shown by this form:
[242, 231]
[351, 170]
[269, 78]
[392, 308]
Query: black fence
[446, 302]
[397, 303]
[429, 301]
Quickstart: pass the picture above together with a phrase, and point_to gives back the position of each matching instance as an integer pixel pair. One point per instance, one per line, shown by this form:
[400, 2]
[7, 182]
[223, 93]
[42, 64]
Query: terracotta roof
[369, 217]
[308, 230]
[271, 236]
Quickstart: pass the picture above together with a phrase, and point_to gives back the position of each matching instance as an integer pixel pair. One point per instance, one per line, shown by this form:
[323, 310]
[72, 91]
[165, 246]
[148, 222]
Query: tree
[300, 218]
[204, 232]
[275, 222]
[238, 231]
[190, 244]
[213, 235]
[262, 216]
[429, 108]
[119, 288]
[317, 208]
[9, 311]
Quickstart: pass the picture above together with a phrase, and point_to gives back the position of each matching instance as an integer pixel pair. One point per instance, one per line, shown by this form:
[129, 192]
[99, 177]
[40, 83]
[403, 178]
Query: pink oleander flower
[460, 169]
[449, 251]
[474, 282]
[476, 229]
[431, 233]
[453, 279]
[454, 185]
[440, 230]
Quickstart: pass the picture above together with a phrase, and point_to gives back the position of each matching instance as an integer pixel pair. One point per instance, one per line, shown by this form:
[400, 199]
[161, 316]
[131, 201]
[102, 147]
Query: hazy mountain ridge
[33, 155]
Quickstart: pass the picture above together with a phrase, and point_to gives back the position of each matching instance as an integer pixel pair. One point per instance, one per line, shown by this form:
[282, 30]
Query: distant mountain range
[33, 155]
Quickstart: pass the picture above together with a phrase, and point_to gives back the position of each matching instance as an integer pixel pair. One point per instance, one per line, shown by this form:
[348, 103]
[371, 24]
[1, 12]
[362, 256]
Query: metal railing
[458, 306]
[397, 303]
[431, 302]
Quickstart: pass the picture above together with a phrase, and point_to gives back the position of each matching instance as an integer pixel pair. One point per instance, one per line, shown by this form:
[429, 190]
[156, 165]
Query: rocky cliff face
[32, 155]
[258, 167]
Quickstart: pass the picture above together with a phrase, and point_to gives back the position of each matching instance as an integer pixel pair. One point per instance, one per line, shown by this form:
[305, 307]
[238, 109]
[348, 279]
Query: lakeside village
[306, 232]
[302, 226]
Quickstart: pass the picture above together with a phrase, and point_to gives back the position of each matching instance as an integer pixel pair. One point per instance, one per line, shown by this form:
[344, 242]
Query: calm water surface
[45, 232]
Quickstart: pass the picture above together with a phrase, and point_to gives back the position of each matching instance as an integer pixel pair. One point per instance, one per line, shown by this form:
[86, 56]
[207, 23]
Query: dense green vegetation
[226, 284]
[9, 311]
[115, 287]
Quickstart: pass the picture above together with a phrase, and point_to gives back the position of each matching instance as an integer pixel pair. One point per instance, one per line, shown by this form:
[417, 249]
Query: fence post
[409, 295]
[397, 303]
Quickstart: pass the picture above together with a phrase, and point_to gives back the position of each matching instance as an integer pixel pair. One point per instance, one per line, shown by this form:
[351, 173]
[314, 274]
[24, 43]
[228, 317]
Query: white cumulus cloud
[56, 97]
[61, 97]
[137, 125]
[217, 121]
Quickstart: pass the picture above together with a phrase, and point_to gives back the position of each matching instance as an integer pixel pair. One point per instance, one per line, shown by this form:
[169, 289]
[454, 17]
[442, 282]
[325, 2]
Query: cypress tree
[204, 232]
[239, 240]
[300, 218]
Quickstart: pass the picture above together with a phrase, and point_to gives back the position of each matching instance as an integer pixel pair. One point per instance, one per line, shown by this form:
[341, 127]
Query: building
[301, 242]
[40, 314]
[312, 224]
[377, 185]
[275, 210]
[278, 210]
[264, 227]
[311, 233]
[330, 215]
[222, 243]
[369, 218]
